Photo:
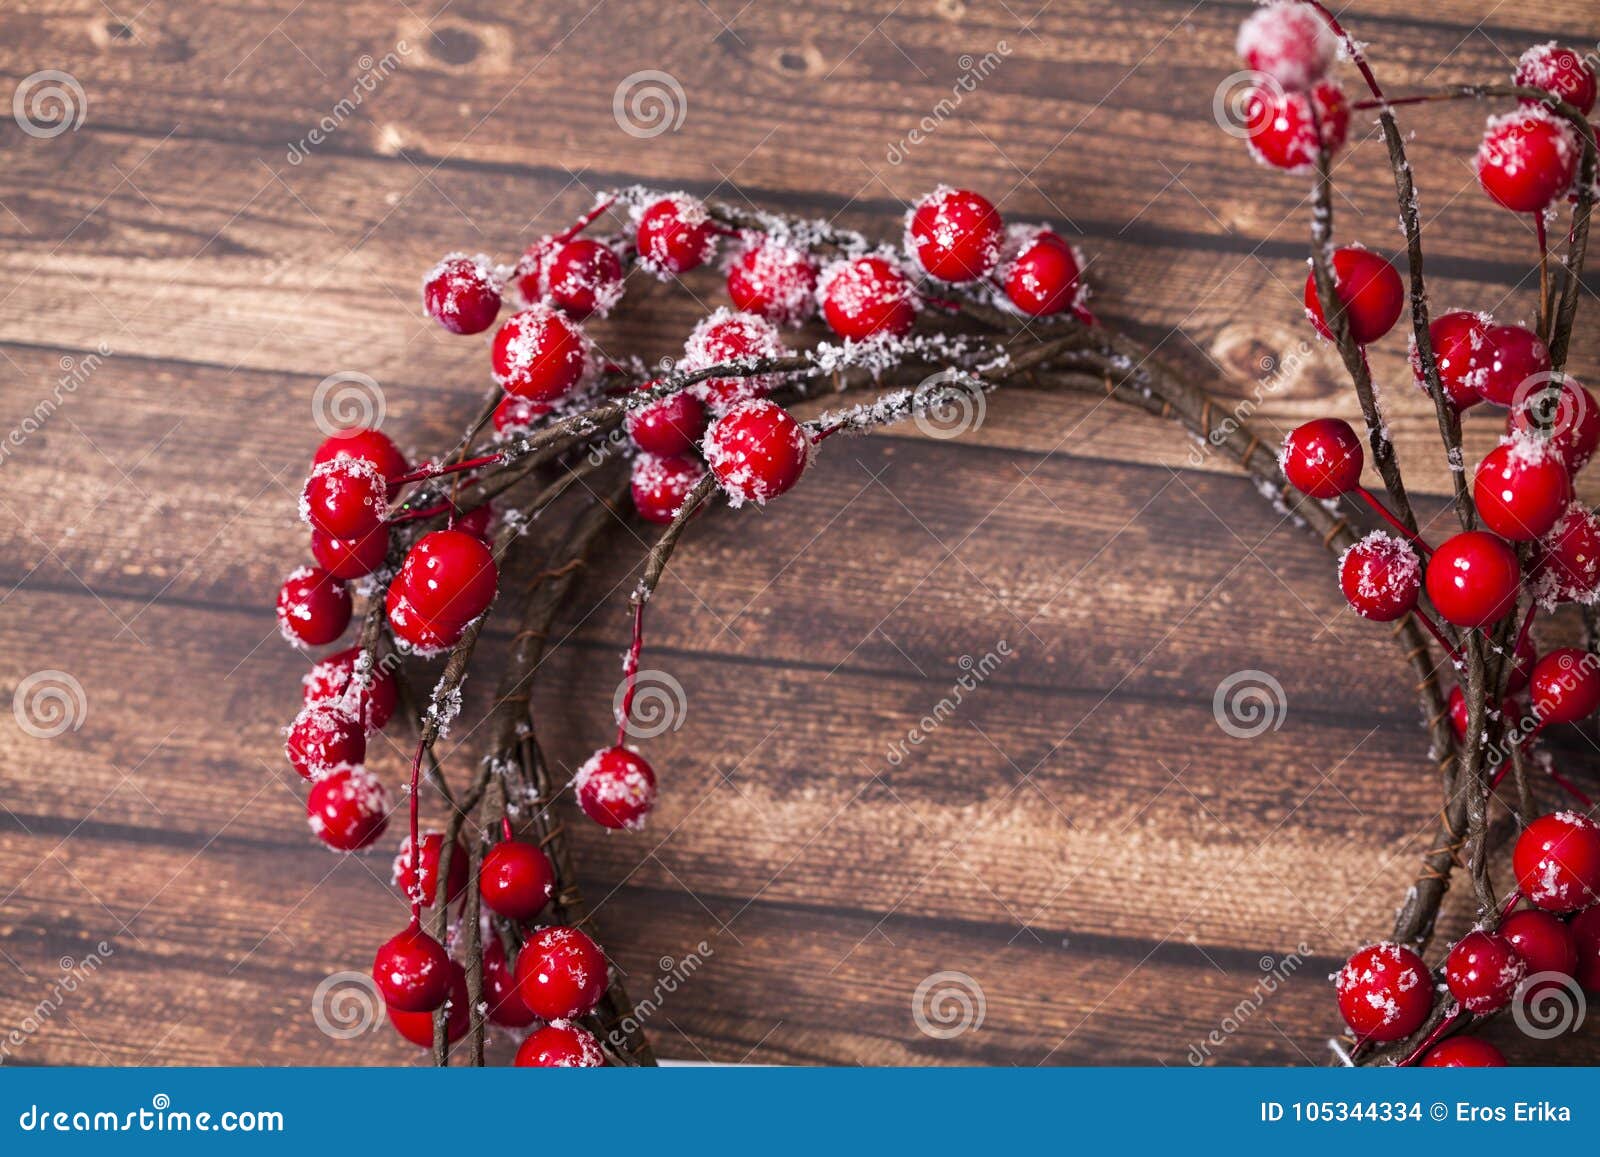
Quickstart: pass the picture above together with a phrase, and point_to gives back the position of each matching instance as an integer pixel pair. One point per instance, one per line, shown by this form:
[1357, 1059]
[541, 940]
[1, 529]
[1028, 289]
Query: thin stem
[1450, 1020]
[1388, 516]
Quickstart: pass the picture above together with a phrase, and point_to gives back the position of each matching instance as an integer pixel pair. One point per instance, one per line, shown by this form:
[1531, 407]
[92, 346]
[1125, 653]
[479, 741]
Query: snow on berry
[347, 809]
[313, 607]
[1281, 132]
[582, 277]
[1558, 70]
[661, 484]
[1527, 158]
[774, 279]
[1384, 992]
[1290, 42]
[675, 234]
[954, 234]
[324, 738]
[462, 293]
[1566, 561]
[345, 497]
[1040, 271]
[616, 788]
[539, 354]
[757, 451]
[868, 297]
[729, 338]
[1381, 577]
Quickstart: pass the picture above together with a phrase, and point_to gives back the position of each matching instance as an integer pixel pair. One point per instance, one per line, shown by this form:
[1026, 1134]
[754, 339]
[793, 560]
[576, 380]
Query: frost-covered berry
[1559, 70]
[561, 973]
[1521, 488]
[581, 277]
[676, 234]
[670, 425]
[776, 280]
[1322, 458]
[616, 788]
[1289, 42]
[1280, 128]
[313, 607]
[560, 1045]
[462, 293]
[407, 879]
[1557, 862]
[412, 971]
[1565, 685]
[417, 1027]
[1381, 577]
[1542, 940]
[515, 415]
[867, 297]
[345, 498]
[516, 880]
[324, 738]
[333, 680]
[757, 451]
[368, 444]
[347, 809]
[1570, 419]
[449, 576]
[350, 558]
[1473, 579]
[1527, 159]
[1566, 562]
[1384, 992]
[539, 354]
[726, 338]
[1458, 342]
[1483, 970]
[1370, 289]
[661, 485]
[954, 234]
[415, 632]
[1039, 271]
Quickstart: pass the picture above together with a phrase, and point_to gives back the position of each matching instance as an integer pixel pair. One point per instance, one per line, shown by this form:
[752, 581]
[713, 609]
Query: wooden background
[1080, 838]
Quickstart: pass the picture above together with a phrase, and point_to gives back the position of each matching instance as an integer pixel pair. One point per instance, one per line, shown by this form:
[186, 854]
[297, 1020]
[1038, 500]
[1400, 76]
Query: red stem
[1432, 1038]
[1387, 515]
[583, 222]
[1353, 51]
[416, 842]
[630, 673]
[423, 473]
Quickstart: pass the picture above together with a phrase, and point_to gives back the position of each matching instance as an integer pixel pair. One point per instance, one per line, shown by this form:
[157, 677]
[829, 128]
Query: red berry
[661, 485]
[462, 293]
[516, 880]
[954, 234]
[731, 338]
[313, 607]
[1565, 685]
[1385, 992]
[1483, 971]
[1289, 42]
[1570, 419]
[1527, 159]
[323, 738]
[1521, 488]
[1456, 338]
[350, 558]
[331, 680]
[1464, 1052]
[616, 788]
[1473, 579]
[867, 297]
[676, 234]
[1381, 577]
[1280, 130]
[1557, 862]
[1322, 458]
[775, 280]
[500, 989]
[514, 415]
[405, 878]
[559, 1045]
[417, 1027]
[1371, 292]
[1542, 940]
[412, 971]
[1585, 929]
[415, 633]
[671, 425]
[1510, 711]
[539, 355]
[449, 577]
[367, 444]
[347, 809]
[757, 451]
[1039, 271]
[476, 522]
[1558, 70]
[581, 277]
[561, 973]
[345, 498]
[1513, 362]
[1566, 563]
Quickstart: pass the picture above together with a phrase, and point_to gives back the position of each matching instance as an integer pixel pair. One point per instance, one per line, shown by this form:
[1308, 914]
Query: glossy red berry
[407, 880]
[868, 297]
[1473, 578]
[347, 809]
[560, 1045]
[313, 607]
[417, 1027]
[670, 425]
[367, 444]
[1565, 685]
[1289, 42]
[1585, 929]
[580, 277]
[1513, 362]
[1464, 1052]
[954, 234]
[1458, 341]
[661, 485]
[1566, 563]
[1281, 132]
[757, 451]
[616, 788]
[1385, 992]
[462, 293]
[412, 971]
[1527, 159]
[500, 993]
[516, 880]
[417, 634]
[1521, 488]
[539, 355]
[1570, 419]
[561, 973]
[1322, 458]
[728, 338]
[350, 558]
[478, 522]
[345, 498]
[1483, 971]
[515, 415]
[1039, 271]
[1542, 940]
[1557, 863]
[449, 577]
[775, 280]
[1510, 711]
[331, 680]
[1381, 577]
[1558, 70]
[676, 234]
[323, 738]
[1370, 289]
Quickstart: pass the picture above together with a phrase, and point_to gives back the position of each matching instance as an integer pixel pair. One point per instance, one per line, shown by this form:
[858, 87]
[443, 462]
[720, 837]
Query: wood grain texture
[1076, 835]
